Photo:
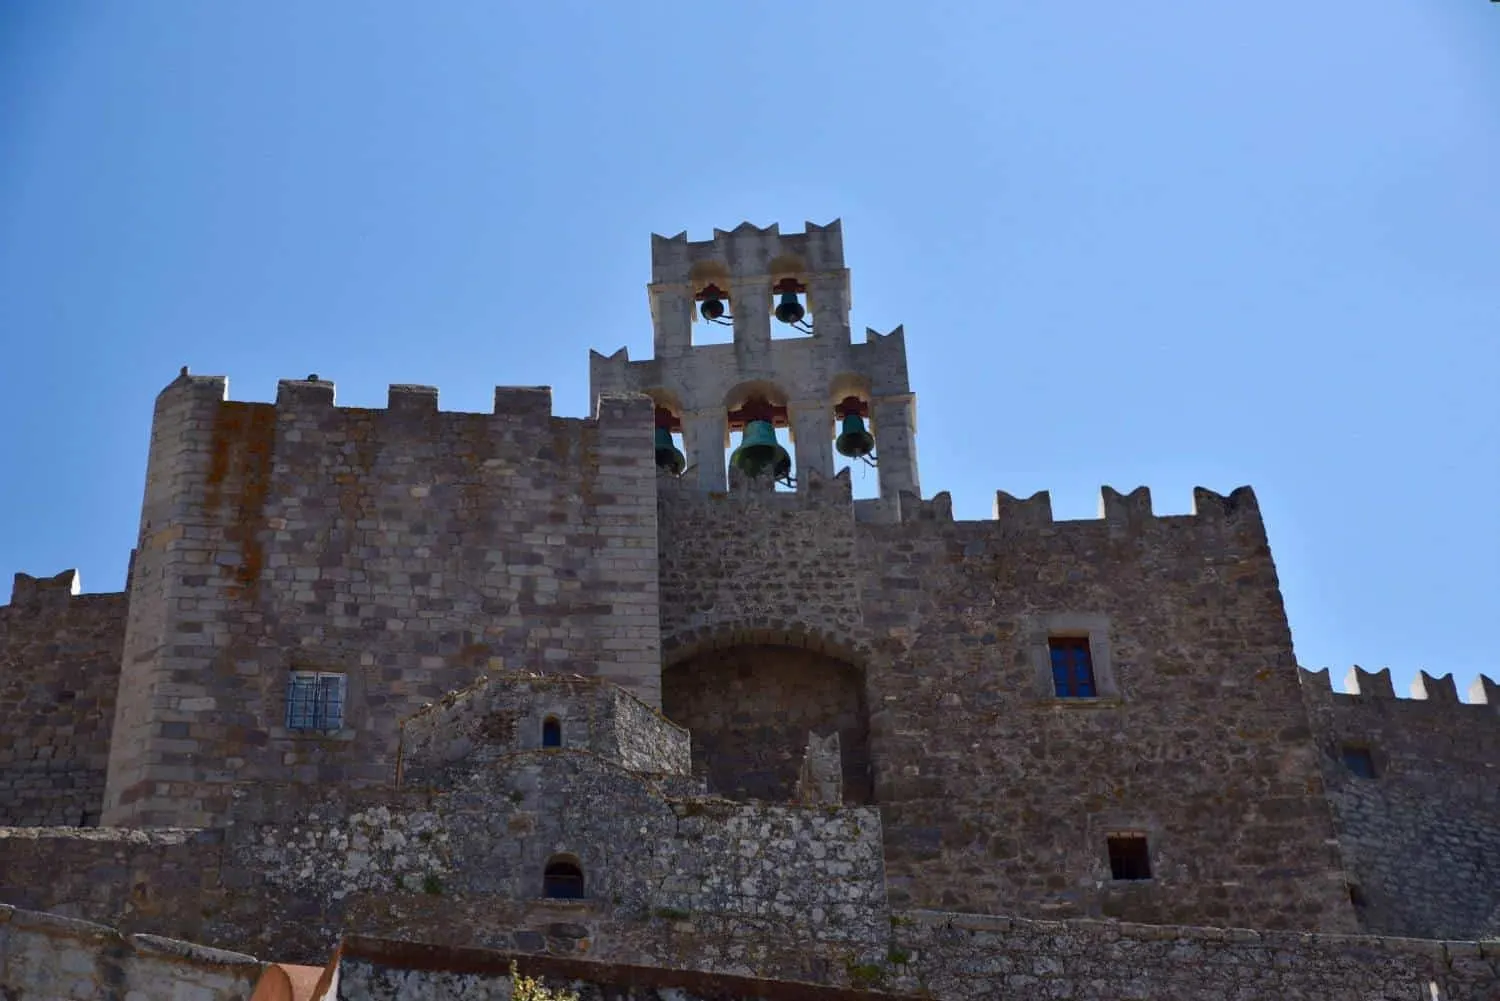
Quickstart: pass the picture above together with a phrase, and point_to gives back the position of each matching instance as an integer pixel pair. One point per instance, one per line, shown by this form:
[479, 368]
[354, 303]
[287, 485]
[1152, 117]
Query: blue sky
[1164, 244]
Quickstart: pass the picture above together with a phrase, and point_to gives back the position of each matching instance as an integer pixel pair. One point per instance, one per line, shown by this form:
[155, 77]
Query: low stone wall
[380, 970]
[47, 956]
[291, 891]
[966, 957]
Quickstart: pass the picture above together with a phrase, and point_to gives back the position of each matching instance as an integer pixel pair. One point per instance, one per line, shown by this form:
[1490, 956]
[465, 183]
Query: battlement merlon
[745, 264]
[39, 592]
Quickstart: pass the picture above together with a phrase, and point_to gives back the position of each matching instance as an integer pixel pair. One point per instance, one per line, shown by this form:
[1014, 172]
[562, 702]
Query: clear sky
[1164, 244]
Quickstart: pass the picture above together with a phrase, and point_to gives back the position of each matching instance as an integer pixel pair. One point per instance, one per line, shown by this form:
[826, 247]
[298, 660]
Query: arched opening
[552, 732]
[563, 878]
[750, 709]
[710, 281]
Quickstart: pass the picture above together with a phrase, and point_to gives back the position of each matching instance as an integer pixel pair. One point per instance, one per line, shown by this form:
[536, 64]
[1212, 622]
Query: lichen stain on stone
[239, 481]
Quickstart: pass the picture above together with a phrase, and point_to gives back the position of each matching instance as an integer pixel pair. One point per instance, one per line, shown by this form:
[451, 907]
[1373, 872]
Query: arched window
[562, 879]
[551, 732]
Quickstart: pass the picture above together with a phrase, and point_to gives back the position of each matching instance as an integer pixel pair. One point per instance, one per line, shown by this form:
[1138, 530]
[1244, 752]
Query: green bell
[854, 441]
[760, 451]
[668, 456]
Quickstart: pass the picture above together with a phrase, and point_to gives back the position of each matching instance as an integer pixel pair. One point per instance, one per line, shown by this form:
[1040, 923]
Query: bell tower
[810, 378]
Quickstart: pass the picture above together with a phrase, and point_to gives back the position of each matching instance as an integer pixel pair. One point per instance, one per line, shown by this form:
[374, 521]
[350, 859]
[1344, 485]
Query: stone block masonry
[971, 958]
[498, 716]
[407, 549]
[816, 873]
[996, 795]
[59, 670]
[1415, 789]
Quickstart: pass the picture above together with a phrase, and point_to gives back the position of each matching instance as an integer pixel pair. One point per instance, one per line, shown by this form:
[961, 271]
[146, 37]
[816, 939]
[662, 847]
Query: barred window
[315, 701]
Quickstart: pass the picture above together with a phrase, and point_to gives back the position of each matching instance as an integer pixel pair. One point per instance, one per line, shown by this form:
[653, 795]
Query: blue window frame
[314, 701]
[1072, 667]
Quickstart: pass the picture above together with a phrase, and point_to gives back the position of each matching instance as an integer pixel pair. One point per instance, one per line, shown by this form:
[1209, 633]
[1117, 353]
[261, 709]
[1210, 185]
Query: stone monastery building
[670, 722]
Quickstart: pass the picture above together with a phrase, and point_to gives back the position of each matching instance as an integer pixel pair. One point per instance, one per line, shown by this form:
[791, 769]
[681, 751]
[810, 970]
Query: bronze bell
[853, 440]
[759, 451]
[790, 310]
[668, 456]
[712, 309]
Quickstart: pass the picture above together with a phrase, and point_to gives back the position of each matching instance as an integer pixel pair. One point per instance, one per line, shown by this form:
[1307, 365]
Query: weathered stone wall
[502, 714]
[407, 548]
[998, 797]
[961, 957]
[45, 956]
[816, 872]
[757, 566]
[1421, 839]
[750, 709]
[59, 668]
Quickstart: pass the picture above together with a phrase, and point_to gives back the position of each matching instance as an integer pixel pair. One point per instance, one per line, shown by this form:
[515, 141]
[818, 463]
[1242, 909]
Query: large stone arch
[750, 697]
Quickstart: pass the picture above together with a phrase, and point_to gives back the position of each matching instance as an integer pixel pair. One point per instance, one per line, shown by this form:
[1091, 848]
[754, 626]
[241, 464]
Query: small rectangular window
[1072, 667]
[1129, 857]
[315, 701]
[1360, 761]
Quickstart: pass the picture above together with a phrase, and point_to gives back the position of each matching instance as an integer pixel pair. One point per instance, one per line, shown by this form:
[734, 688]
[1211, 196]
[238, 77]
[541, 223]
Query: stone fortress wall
[473, 576]
[59, 671]
[1420, 833]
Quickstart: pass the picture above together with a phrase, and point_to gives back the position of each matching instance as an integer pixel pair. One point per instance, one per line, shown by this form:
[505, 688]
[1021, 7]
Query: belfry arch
[750, 703]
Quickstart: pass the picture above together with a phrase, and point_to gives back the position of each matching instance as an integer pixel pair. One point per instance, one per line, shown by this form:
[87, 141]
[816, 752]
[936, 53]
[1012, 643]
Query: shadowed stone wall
[750, 709]
[59, 669]
[1421, 839]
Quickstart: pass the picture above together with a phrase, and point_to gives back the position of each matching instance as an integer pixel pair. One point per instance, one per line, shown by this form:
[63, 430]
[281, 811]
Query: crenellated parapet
[1120, 513]
[1369, 686]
